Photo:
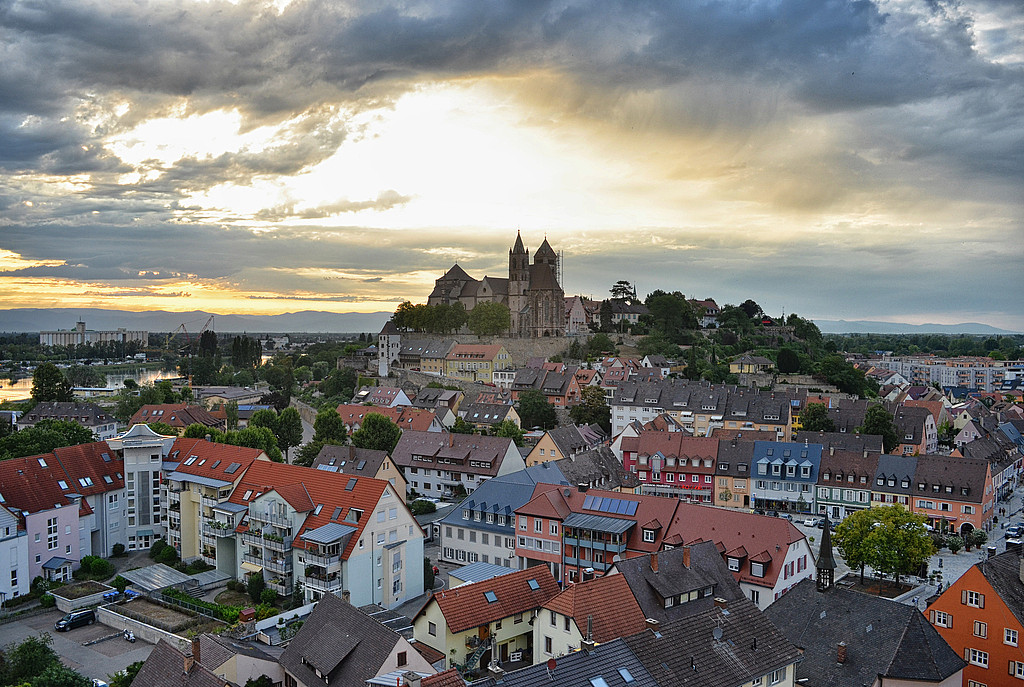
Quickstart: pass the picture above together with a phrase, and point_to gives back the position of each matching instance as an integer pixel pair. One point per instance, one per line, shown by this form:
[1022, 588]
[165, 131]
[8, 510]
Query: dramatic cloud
[857, 159]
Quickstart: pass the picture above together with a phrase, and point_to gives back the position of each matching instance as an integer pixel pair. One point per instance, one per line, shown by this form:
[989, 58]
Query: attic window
[337, 513]
[361, 465]
[491, 597]
[351, 484]
[963, 491]
[626, 676]
[598, 681]
[191, 459]
[63, 484]
[319, 507]
[108, 479]
[215, 464]
[534, 584]
[233, 468]
[42, 463]
[202, 462]
[106, 457]
[248, 493]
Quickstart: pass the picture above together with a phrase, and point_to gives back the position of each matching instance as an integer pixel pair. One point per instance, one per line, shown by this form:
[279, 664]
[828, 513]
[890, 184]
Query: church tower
[518, 284]
[826, 565]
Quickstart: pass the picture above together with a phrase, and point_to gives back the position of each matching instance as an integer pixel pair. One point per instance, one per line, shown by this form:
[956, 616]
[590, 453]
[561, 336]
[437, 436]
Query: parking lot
[95, 661]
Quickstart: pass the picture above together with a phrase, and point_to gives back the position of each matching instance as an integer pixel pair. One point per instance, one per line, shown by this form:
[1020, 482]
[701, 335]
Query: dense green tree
[622, 289]
[489, 318]
[44, 437]
[59, 675]
[289, 429]
[256, 437]
[844, 376]
[29, 659]
[246, 353]
[592, 409]
[803, 329]
[197, 430]
[600, 344]
[815, 418]
[460, 426]
[671, 314]
[851, 539]
[309, 451]
[878, 421]
[231, 414]
[50, 384]
[656, 343]
[255, 587]
[536, 411]
[261, 681]
[123, 678]
[377, 432]
[788, 361]
[752, 309]
[85, 376]
[328, 427]
[509, 429]
[339, 384]
[162, 428]
[264, 417]
[605, 314]
[208, 344]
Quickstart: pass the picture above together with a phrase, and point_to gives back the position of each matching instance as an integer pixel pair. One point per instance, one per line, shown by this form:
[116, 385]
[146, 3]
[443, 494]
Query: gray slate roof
[882, 637]
[686, 652]
[707, 569]
[578, 668]
[165, 667]
[340, 641]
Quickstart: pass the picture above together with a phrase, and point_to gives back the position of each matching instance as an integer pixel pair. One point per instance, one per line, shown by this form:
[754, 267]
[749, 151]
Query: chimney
[651, 623]
[720, 602]
[841, 652]
[189, 662]
[654, 562]
[411, 679]
[686, 556]
[831, 450]
[195, 650]
[208, 437]
[582, 487]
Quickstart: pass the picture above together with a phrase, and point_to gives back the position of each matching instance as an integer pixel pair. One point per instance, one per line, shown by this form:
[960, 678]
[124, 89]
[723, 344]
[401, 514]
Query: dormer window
[880, 481]
[734, 564]
[905, 484]
[949, 490]
[757, 569]
[920, 486]
[826, 476]
[649, 536]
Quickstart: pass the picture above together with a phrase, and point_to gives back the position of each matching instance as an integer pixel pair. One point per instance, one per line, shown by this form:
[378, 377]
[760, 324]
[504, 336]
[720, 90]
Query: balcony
[175, 506]
[208, 501]
[255, 560]
[215, 528]
[450, 481]
[323, 584]
[271, 518]
[174, 516]
[575, 562]
[278, 565]
[322, 559]
[280, 586]
[208, 559]
[277, 543]
[252, 538]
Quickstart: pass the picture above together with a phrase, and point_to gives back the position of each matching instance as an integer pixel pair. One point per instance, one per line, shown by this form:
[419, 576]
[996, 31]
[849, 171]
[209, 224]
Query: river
[22, 388]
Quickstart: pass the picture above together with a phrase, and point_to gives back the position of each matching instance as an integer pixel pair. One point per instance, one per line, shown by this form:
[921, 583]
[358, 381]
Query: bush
[118, 550]
[255, 587]
[120, 584]
[158, 546]
[268, 596]
[47, 601]
[168, 555]
[422, 506]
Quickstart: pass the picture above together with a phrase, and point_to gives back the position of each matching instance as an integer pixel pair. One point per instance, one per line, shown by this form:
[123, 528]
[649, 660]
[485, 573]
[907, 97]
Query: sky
[837, 159]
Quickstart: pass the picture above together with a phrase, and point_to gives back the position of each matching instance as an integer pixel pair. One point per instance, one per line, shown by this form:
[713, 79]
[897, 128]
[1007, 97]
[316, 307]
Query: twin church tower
[532, 291]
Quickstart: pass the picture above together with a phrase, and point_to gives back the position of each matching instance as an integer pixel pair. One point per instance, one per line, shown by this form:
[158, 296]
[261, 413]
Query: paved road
[96, 661]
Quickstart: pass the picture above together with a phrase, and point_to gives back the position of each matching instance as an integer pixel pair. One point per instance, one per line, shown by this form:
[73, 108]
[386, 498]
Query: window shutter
[967, 654]
[963, 597]
[931, 617]
[1013, 665]
[981, 600]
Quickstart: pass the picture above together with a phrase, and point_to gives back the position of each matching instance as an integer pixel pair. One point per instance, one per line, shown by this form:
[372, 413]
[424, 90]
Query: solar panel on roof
[621, 506]
[231, 469]
[588, 502]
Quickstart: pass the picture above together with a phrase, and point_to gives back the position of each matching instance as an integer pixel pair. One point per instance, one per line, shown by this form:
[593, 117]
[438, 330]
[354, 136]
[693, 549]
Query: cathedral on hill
[532, 291]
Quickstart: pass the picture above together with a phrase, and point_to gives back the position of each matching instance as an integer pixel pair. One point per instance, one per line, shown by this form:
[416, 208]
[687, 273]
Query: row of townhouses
[321, 530]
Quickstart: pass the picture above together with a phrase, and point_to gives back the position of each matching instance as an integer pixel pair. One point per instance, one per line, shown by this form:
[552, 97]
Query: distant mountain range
[34, 320]
[871, 327]
[314, 321]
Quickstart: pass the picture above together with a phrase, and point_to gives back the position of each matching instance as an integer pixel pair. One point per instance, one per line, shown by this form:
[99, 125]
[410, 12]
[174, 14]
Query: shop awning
[251, 567]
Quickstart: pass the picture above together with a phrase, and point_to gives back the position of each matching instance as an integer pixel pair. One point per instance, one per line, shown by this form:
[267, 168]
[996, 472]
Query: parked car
[1013, 532]
[75, 619]
[812, 522]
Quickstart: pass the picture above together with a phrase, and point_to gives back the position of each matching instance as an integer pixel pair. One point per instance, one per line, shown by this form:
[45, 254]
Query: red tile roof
[179, 415]
[212, 460]
[305, 488]
[448, 678]
[26, 485]
[758, 535]
[466, 606]
[608, 600]
[87, 471]
[406, 417]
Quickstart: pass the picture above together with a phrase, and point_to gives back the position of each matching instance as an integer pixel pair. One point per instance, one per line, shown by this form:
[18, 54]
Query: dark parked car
[75, 619]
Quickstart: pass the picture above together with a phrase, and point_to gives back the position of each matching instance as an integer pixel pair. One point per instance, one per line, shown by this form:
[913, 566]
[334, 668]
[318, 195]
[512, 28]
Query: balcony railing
[209, 501]
[272, 518]
[217, 529]
[282, 587]
[323, 560]
[252, 538]
[272, 543]
[280, 565]
[255, 560]
[323, 584]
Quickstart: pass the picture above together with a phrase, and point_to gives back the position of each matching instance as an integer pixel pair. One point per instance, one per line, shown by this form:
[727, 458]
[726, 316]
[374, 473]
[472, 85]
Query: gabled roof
[86, 414]
[611, 662]
[341, 642]
[210, 460]
[91, 468]
[463, 449]
[606, 601]
[26, 485]
[178, 415]
[758, 534]
[484, 602]
[883, 638]
[339, 494]
[651, 587]
[690, 651]
[165, 667]
[349, 460]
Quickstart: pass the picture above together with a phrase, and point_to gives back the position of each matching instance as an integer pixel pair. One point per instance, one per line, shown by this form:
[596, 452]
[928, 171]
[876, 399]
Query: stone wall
[147, 633]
